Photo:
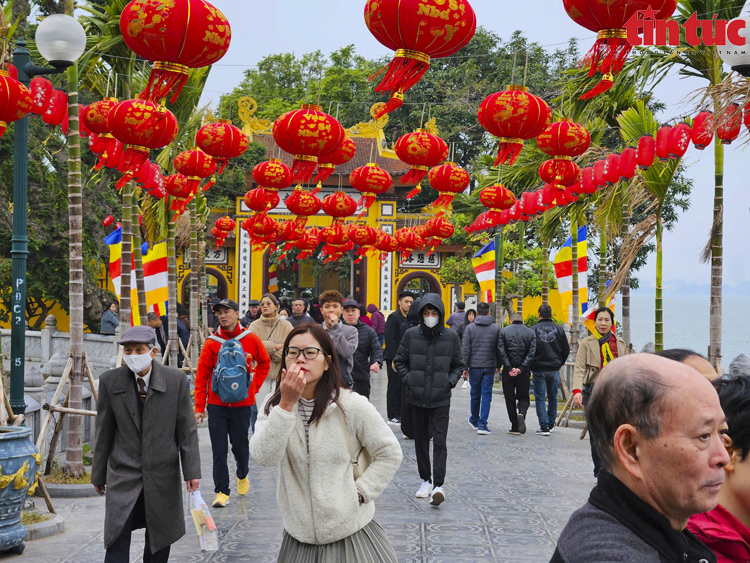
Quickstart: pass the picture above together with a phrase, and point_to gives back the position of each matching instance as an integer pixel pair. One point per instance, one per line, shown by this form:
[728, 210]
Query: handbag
[360, 457]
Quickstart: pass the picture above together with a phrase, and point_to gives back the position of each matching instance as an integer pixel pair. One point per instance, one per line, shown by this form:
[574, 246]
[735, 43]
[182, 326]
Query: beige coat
[589, 360]
[263, 327]
[316, 491]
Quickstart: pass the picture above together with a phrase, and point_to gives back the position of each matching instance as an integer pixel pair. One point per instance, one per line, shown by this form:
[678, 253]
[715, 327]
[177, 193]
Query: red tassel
[317, 188]
[608, 55]
[210, 184]
[323, 174]
[402, 73]
[162, 81]
[396, 101]
[223, 164]
[414, 175]
[604, 84]
[303, 170]
[366, 201]
[414, 192]
[507, 153]
[124, 180]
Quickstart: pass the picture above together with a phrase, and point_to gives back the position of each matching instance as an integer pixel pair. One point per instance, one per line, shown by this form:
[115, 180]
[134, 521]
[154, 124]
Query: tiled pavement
[507, 500]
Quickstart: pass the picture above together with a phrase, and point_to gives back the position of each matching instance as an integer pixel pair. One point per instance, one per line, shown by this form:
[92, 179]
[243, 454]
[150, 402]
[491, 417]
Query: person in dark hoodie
[407, 424]
[368, 355]
[430, 363]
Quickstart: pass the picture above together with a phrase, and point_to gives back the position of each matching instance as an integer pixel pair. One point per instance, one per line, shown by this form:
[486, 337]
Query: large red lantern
[386, 244]
[564, 140]
[334, 252]
[513, 116]
[94, 118]
[371, 181]
[363, 236]
[679, 140]
[730, 124]
[175, 36]
[261, 200]
[55, 112]
[196, 165]
[559, 171]
[421, 150]
[704, 126]
[497, 198]
[608, 20]
[408, 241]
[307, 133]
[273, 174]
[15, 100]
[417, 31]
[327, 163]
[436, 230]
[223, 141]
[41, 92]
[303, 204]
[308, 243]
[179, 188]
[448, 179]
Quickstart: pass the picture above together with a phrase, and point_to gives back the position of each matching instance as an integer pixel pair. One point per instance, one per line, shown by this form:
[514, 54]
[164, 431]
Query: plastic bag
[204, 523]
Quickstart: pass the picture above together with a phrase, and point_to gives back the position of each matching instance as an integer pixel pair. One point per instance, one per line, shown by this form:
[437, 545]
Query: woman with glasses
[315, 430]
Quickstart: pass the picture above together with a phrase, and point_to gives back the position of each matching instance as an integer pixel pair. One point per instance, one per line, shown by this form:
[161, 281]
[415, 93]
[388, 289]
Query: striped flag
[588, 318]
[484, 267]
[564, 273]
[273, 282]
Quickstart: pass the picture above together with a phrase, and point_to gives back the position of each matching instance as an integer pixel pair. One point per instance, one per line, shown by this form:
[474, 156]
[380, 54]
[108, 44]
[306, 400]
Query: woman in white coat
[312, 429]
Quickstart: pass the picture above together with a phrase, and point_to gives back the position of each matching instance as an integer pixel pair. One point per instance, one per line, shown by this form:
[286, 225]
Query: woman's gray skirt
[368, 545]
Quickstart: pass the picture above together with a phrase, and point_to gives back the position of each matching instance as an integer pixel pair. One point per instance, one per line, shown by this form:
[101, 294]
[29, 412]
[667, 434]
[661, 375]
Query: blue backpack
[231, 381]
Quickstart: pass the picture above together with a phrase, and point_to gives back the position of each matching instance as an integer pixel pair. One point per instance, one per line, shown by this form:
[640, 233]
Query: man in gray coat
[145, 431]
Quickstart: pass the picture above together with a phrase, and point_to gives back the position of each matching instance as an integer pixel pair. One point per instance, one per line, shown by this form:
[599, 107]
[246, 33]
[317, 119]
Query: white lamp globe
[738, 56]
[61, 40]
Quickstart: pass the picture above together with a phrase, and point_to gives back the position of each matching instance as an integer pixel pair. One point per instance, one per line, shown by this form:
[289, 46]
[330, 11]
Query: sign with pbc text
[420, 260]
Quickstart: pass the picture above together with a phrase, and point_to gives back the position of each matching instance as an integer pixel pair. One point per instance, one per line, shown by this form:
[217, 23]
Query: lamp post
[738, 56]
[61, 40]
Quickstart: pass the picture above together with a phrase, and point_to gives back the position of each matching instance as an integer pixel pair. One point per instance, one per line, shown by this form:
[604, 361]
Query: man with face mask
[430, 363]
[145, 432]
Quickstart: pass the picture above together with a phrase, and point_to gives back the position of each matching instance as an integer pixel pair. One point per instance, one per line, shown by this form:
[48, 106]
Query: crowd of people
[292, 392]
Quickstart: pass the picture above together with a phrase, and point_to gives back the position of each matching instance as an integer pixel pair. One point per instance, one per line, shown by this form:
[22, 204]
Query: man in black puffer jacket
[516, 349]
[369, 353]
[430, 363]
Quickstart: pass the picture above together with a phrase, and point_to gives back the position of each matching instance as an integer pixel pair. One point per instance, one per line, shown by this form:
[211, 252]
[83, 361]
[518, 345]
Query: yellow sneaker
[221, 500]
[243, 486]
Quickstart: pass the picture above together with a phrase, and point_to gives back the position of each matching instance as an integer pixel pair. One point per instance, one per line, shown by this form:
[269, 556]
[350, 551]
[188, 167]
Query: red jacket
[256, 353]
[724, 534]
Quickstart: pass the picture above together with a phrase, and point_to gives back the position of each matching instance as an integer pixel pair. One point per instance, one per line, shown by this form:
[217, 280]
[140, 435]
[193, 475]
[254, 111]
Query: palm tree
[651, 66]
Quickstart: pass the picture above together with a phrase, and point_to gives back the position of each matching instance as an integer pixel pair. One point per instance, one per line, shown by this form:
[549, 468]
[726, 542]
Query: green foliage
[532, 320]
[232, 183]
[458, 271]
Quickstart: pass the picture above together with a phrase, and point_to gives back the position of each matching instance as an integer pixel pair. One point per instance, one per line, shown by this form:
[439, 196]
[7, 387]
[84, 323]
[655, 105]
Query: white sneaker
[425, 490]
[438, 496]
[394, 422]
[466, 384]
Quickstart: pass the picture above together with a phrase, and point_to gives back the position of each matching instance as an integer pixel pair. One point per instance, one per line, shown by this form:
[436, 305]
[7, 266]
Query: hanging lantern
[448, 179]
[513, 116]
[588, 186]
[704, 126]
[95, 120]
[175, 36]
[645, 152]
[181, 191]
[196, 165]
[219, 235]
[371, 181]
[273, 175]
[339, 206]
[528, 203]
[730, 124]
[600, 174]
[261, 200]
[55, 112]
[497, 198]
[290, 233]
[436, 230]
[408, 241]
[308, 243]
[41, 92]
[421, 150]
[608, 20]
[141, 125]
[307, 133]
[112, 157]
[15, 100]
[564, 140]
[628, 163]
[559, 171]
[327, 163]
[363, 236]
[83, 131]
[747, 116]
[385, 244]
[334, 252]
[108, 220]
[223, 141]
[224, 225]
[303, 204]
[662, 142]
[679, 140]
[262, 230]
[612, 169]
[155, 183]
[417, 31]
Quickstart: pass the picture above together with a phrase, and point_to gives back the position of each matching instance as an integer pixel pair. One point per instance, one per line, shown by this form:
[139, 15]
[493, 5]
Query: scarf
[605, 342]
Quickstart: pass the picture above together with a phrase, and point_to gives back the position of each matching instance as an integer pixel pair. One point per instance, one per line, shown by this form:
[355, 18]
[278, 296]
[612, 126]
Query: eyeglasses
[310, 353]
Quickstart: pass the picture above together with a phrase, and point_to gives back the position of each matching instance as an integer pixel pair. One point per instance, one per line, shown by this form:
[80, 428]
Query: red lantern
[608, 19]
[645, 152]
[273, 174]
[141, 125]
[436, 230]
[15, 100]
[225, 223]
[307, 133]
[528, 203]
[112, 157]
[564, 138]
[386, 244]
[219, 235]
[679, 140]
[339, 205]
[421, 150]
[179, 188]
[342, 154]
[41, 92]
[513, 116]
[261, 200]
[195, 164]
[55, 112]
[408, 241]
[364, 237]
[417, 31]
[155, 182]
[223, 141]
[290, 233]
[118, 225]
[559, 171]
[448, 179]
[303, 204]
[747, 116]
[588, 186]
[628, 163]
[600, 174]
[108, 220]
[730, 124]
[11, 70]
[308, 243]
[704, 126]
[662, 142]
[176, 36]
[94, 118]
[371, 181]
[334, 252]
[497, 198]
[612, 169]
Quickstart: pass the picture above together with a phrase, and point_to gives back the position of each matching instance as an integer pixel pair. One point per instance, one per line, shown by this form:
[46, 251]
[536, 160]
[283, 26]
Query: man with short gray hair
[516, 347]
[658, 427]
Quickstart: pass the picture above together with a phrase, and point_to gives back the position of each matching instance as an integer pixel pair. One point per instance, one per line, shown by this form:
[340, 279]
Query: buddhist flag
[564, 274]
[484, 267]
[273, 282]
[588, 318]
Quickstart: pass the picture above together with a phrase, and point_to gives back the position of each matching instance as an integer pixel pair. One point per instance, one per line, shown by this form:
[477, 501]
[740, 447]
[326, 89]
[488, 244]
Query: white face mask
[137, 362]
[431, 322]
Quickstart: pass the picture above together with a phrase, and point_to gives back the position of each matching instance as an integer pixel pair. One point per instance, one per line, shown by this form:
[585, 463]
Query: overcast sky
[301, 26]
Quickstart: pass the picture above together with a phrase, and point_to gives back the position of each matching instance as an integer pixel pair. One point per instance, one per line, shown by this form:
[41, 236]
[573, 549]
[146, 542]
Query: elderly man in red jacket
[229, 420]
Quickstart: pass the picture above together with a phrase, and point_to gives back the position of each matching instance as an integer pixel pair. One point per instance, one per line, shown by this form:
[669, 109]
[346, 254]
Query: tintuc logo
[667, 32]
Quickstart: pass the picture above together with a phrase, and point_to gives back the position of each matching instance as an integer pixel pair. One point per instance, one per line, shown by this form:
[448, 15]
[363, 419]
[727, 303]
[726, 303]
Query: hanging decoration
[302, 204]
[308, 243]
[222, 141]
[176, 36]
[339, 206]
[608, 20]
[662, 142]
[730, 124]
[448, 179]
[436, 230]
[261, 200]
[290, 233]
[55, 112]
[628, 163]
[95, 119]
[385, 244]
[421, 150]
[497, 198]
[704, 126]
[408, 241]
[196, 165]
[41, 92]
[261, 229]
[328, 162]
[225, 225]
[179, 188]
[418, 31]
[307, 133]
[513, 116]
[679, 140]
[364, 236]
[645, 151]
[563, 140]
[15, 100]
[371, 181]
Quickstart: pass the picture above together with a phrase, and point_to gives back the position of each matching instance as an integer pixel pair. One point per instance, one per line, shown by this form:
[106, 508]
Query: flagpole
[499, 259]
[574, 322]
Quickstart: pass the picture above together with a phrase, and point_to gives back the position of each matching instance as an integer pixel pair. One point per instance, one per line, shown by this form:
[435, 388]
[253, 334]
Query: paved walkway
[507, 500]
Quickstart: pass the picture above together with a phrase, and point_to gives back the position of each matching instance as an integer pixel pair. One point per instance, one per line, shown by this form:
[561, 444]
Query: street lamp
[61, 40]
[738, 56]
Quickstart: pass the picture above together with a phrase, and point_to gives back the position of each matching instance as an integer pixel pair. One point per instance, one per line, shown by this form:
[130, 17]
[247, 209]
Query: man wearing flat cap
[253, 313]
[145, 432]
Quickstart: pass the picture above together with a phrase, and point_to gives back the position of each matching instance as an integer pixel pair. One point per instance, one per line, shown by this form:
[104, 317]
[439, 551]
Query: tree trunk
[521, 236]
[602, 268]
[172, 292]
[658, 306]
[194, 283]
[545, 273]
[499, 265]
[574, 321]
[717, 260]
[73, 449]
[126, 254]
[138, 263]
[625, 315]
[203, 281]
[458, 290]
